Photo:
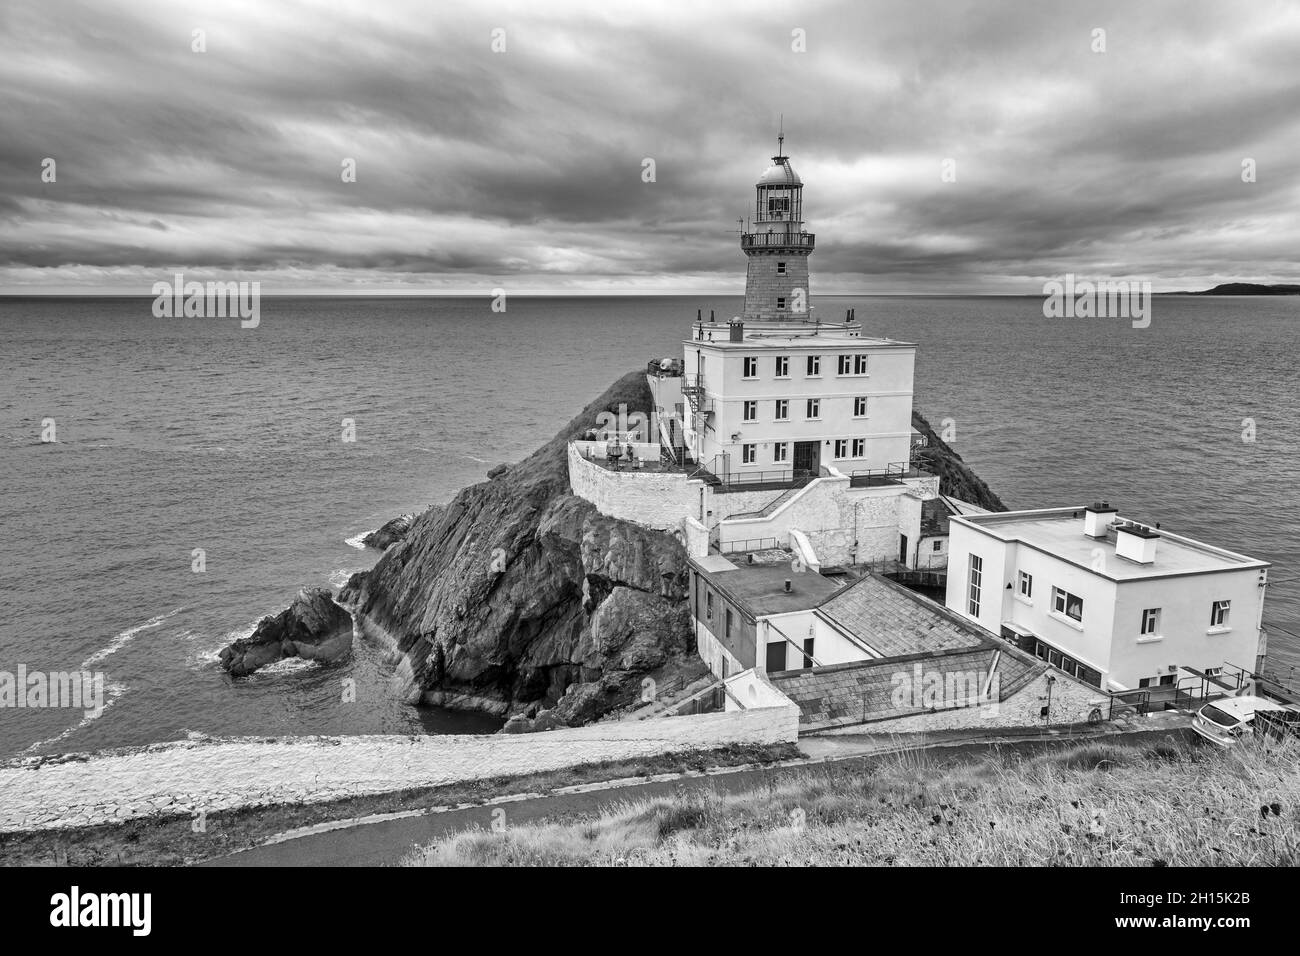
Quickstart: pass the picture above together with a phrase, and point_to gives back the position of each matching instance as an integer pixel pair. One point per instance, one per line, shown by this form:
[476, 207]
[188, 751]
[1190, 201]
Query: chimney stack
[737, 328]
[1096, 518]
[1136, 543]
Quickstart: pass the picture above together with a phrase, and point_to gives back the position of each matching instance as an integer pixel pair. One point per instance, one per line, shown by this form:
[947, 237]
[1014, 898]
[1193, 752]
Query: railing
[891, 474]
[760, 240]
[775, 503]
[749, 544]
[657, 368]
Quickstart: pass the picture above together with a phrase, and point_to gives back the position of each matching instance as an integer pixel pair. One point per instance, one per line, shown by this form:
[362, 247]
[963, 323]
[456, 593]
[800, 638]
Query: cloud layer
[523, 168]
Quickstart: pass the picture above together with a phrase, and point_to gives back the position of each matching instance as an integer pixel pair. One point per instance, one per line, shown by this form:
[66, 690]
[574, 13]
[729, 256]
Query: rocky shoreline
[520, 599]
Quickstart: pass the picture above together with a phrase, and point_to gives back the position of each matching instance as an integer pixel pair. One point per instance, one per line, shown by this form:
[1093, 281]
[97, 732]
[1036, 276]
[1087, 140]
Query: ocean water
[183, 434]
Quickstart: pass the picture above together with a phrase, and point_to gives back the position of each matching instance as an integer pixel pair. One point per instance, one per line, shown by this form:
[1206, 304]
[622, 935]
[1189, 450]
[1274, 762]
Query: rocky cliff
[519, 598]
[955, 477]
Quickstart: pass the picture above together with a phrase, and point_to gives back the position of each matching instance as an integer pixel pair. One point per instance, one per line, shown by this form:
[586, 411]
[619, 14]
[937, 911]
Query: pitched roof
[894, 621]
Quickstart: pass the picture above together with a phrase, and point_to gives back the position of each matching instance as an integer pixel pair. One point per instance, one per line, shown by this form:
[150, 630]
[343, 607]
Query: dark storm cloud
[523, 168]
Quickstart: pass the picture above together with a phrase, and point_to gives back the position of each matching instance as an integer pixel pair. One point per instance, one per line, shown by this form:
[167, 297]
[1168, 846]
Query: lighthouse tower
[776, 284]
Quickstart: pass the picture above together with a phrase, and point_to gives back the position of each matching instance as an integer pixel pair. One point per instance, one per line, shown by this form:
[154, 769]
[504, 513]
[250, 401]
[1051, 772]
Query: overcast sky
[523, 169]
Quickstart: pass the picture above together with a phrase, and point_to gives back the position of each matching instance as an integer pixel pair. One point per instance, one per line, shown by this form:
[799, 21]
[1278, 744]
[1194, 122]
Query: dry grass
[1097, 804]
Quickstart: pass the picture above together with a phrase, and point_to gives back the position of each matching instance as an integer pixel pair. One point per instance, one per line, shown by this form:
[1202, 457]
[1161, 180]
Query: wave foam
[125, 637]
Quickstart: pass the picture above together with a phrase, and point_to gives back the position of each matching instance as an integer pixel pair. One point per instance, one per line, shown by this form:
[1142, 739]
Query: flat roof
[760, 588]
[1059, 532]
[788, 335]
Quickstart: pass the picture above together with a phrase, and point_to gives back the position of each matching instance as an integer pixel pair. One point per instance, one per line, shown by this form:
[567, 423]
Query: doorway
[807, 458]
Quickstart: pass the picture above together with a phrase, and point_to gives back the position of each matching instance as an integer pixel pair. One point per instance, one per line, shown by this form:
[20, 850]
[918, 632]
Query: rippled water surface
[177, 434]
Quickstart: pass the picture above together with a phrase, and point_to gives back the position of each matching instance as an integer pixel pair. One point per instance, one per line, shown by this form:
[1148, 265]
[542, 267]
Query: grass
[1097, 804]
[171, 841]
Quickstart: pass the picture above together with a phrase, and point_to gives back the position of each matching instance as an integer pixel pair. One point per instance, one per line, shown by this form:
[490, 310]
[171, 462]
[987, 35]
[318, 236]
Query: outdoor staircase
[773, 505]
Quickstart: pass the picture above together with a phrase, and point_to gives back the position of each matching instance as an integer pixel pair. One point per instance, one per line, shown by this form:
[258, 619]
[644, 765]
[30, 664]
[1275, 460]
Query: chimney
[1136, 543]
[737, 328]
[787, 586]
[1096, 518]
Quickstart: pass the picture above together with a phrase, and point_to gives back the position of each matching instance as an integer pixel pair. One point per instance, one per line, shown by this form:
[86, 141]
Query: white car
[1223, 721]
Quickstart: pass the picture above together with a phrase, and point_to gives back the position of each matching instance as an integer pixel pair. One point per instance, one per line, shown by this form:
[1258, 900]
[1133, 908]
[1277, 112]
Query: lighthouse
[777, 246]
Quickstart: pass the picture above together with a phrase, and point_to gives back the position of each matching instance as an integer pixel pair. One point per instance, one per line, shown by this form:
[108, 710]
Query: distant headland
[1245, 288]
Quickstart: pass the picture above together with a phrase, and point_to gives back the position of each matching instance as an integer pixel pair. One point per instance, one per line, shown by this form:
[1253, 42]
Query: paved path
[384, 841]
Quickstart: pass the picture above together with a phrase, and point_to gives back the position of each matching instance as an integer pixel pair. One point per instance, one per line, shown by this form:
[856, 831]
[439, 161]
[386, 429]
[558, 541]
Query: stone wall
[655, 499]
[186, 777]
[827, 511]
[763, 284]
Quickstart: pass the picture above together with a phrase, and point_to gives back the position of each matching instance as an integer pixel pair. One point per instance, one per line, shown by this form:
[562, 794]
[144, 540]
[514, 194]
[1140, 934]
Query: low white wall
[655, 499]
[751, 691]
[210, 775]
[696, 536]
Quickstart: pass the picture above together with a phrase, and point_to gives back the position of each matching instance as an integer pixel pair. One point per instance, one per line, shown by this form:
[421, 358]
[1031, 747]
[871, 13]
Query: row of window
[1045, 652]
[847, 364]
[1071, 606]
[845, 448]
[812, 409]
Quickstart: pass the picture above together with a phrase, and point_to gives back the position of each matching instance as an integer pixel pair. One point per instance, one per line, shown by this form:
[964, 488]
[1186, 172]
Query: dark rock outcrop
[521, 598]
[313, 627]
[389, 533]
[955, 476]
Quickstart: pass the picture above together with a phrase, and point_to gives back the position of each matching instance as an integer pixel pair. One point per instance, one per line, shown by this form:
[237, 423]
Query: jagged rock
[498, 470]
[526, 590]
[313, 627]
[389, 533]
[350, 593]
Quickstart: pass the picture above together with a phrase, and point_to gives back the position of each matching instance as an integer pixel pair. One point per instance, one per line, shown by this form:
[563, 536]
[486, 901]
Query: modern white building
[1118, 604]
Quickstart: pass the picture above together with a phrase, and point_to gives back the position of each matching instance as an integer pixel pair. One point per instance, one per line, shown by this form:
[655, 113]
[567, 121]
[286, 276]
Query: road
[385, 842]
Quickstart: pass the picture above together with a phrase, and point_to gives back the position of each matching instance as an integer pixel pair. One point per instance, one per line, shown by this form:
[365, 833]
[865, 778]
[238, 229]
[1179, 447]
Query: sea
[200, 474]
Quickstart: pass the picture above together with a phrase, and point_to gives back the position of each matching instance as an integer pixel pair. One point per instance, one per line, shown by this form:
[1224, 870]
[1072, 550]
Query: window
[859, 365]
[782, 409]
[860, 407]
[841, 448]
[748, 454]
[1151, 621]
[846, 363]
[1063, 602]
[1219, 613]
[1026, 584]
[751, 411]
[780, 451]
[727, 631]
[751, 367]
[780, 268]
[1164, 680]
[782, 366]
[859, 448]
[780, 302]
[976, 585]
[938, 546]
[1045, 652]
[777, 205]
[814, 408]
[708, 606]
[814, 365]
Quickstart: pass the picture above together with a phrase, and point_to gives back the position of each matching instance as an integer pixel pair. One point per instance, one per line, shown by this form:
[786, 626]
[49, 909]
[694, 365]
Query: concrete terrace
[760, 588]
